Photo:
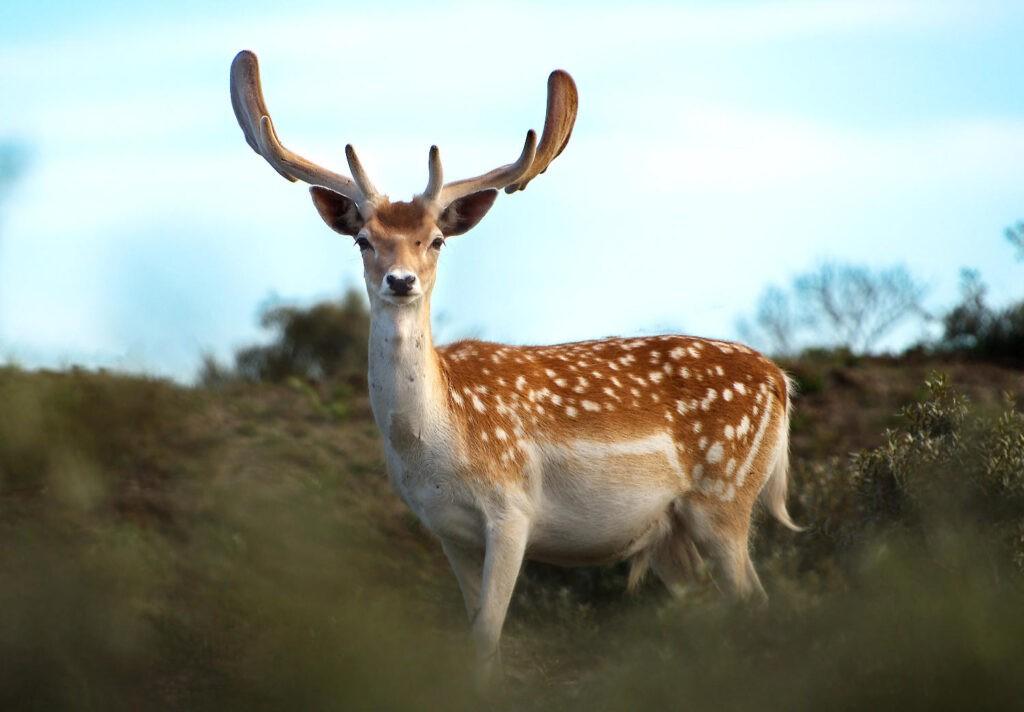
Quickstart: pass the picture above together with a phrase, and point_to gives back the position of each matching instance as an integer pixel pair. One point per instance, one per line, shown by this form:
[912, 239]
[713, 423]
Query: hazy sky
[720, 146]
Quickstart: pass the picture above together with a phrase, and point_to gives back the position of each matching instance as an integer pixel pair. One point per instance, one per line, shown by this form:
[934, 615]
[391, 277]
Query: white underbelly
[597, 501]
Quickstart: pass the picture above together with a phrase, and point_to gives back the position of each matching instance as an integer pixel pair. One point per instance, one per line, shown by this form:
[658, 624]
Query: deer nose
[401, 285]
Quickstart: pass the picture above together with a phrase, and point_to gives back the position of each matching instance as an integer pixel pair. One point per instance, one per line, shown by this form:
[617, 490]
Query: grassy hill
[239, 547]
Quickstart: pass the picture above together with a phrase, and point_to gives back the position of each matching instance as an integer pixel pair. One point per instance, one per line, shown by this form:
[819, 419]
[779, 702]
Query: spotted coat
[715, 398]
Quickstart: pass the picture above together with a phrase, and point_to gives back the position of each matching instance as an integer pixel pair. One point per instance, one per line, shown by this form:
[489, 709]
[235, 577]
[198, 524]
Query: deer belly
[598, 500]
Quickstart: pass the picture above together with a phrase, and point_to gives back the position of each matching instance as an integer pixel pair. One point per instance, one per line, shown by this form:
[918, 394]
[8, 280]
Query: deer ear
[340, 213]
[463, 215]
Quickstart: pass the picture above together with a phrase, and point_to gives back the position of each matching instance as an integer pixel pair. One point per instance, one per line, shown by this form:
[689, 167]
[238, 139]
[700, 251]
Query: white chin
[401, 301]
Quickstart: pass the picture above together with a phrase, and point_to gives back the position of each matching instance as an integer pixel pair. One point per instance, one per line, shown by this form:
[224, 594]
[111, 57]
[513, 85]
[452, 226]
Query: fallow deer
[652, 450]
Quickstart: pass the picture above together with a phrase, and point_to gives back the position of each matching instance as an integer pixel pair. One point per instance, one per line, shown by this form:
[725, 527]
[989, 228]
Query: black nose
[401, 285]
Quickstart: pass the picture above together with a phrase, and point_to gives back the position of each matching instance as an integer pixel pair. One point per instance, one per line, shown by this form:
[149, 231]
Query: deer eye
[363, 244]
[438, 243]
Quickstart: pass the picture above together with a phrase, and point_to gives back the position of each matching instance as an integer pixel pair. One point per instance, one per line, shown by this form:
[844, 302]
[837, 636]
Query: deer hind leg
[675, 559]
[723, 537]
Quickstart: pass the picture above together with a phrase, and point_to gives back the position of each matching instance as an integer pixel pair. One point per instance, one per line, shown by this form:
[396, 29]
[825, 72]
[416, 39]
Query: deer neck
[405, 380]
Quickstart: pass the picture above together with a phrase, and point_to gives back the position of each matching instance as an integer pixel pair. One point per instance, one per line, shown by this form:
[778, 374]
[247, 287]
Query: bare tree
[849, 306]
[854, 306]
[774, 326]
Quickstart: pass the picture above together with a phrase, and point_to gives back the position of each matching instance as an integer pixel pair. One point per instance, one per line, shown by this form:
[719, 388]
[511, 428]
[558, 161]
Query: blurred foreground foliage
[170, 548]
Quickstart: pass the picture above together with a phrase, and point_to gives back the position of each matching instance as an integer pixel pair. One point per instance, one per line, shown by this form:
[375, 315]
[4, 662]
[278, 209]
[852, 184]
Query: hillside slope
[240, 548]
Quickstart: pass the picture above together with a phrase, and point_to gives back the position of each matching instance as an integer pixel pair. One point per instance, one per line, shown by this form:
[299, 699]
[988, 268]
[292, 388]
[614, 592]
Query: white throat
[405, 382]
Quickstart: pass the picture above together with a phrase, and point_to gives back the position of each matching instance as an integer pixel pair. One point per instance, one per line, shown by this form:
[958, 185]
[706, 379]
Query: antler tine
[254, 120]
[498, 178]
[563, 101]
[435, 181]
[359, 174]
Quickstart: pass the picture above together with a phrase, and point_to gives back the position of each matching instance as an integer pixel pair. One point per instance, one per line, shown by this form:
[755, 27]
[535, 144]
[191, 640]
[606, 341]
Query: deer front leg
[468, 565]
[506, 545]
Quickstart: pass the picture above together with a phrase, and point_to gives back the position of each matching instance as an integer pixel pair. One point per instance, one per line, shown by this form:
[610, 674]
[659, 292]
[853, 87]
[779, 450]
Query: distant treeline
[842, 307]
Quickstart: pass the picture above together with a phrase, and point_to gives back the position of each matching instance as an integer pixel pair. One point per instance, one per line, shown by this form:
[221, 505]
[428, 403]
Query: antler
[563, 101]
[254, 119]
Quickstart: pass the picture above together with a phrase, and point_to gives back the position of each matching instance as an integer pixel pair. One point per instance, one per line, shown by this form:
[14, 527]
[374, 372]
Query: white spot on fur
[590, 405]
[730, 432]
[478, 404]
[727, 394]
[500, 434]
[457, 398]
[697, 426]
[719, 370]
[561, 382]
[570, 411]
[703, 442]
[740, 388]
[520, 383]
[706, 402]
[744, 426]
[655, 376]
[715, 453]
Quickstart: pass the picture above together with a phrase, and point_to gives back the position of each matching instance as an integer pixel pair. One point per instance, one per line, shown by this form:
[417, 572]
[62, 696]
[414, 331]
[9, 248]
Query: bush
[325, 342]
[944, 467]
[974, 329]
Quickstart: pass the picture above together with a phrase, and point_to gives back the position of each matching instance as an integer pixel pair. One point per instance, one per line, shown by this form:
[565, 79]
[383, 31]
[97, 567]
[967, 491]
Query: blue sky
[719, 147]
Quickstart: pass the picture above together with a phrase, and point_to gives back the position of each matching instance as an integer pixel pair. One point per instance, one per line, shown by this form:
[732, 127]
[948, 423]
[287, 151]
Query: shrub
[947, 466]
[324, 342]
[974, 329]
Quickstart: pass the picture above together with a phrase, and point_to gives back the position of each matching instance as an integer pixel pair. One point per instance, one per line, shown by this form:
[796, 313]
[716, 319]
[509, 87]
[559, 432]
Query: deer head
[400, 241]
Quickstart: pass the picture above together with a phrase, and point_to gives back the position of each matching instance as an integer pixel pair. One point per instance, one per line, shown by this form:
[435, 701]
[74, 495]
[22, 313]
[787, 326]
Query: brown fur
[403, 216]
[617, 389]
